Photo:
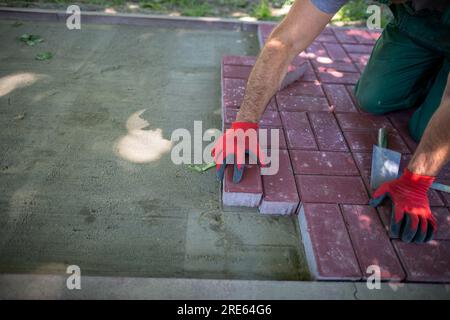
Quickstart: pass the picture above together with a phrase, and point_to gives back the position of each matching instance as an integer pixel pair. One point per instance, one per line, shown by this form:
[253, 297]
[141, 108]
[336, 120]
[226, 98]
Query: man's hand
[234, 145]
[411, 218]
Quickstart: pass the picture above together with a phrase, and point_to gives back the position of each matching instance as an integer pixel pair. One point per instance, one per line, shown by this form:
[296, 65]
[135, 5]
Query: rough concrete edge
[232, 199]
[129, 19]
[306, 242]
[275, 207]
[26, 286]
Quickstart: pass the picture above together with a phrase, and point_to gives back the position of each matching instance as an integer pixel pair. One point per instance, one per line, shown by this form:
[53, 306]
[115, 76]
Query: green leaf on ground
[201, 168]
[17, 24]
[31, 39]
[44, 56]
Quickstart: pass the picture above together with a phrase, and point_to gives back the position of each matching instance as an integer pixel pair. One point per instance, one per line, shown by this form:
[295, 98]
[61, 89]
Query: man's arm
[294, 34]
[433, 151]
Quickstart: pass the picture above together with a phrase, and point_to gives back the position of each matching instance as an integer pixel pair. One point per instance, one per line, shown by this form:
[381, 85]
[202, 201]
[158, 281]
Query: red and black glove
[233, 146]
[411, 217]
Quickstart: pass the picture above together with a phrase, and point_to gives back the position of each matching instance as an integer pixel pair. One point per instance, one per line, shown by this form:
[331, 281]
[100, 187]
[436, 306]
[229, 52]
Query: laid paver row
[329, 188]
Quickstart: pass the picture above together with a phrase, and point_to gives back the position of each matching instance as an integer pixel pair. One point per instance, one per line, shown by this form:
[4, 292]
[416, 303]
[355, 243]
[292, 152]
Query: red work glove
[411, 218]
[228, 150]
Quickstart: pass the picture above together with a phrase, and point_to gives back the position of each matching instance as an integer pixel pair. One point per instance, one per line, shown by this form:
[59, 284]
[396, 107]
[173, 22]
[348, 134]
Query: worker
[409, 67]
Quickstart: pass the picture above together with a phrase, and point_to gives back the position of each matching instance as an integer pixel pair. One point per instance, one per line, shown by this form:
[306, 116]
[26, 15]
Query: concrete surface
[85, 171]
[54, 287]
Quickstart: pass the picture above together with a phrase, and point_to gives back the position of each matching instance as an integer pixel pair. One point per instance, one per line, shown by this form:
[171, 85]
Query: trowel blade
[385, 166]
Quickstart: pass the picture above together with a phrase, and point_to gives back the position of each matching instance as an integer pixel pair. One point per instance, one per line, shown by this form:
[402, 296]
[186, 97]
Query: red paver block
[429, 262]
[301, 88]
[445, 196]
[360, 60]
[344, 36]
[264, 30]
[442, 216]
[357, 48]
[375, 34]
[233, 92]
[400, 120]
[362, 36]
[298, 131]
[339, 97]
[326, 37]
[330, 75]
[239, 60]
[302, 103]
[444, 173]
[336, 52]
[364, 163]
[269, 143]
[331, 189]
[326, 129]
[328, 248]
[247, 193]
[309, 74]
[351, 92]
[358, 121]
[269, 119]
[238, 72]
[363, 141]
[280, 191]
[371, 243]
[316, 50]
[335, 65]
[323, 163]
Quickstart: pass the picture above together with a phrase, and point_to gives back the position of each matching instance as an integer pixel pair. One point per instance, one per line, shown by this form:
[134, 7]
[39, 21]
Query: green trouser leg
[405, 72]
[423, 114]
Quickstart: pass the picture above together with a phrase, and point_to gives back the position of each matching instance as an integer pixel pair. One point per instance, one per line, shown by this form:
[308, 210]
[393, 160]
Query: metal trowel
[385, 162]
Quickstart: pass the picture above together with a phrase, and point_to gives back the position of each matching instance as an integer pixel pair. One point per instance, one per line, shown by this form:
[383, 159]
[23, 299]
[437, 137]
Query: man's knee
[369, 100]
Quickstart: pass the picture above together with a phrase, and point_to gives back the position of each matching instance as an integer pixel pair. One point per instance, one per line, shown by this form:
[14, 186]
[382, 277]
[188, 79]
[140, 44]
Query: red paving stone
[357, 48]
[339, 98]
[321, 119]
[345, 36]
[240, 72]
[331, 189]
[327, 244]
[428, 262]
[336, 52]
[338, 66]
[300, 88]
[302, 103]
[247, 193]
[442, 216]
[233, 92]
[298, 131]
[333, 76]
[268, 143]
[363, 141]
[371, 242]
[326, 130]
[400, 120]
[280, 191]
[323, 163]
[269, 119]
[239, 60]
[358, 121]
